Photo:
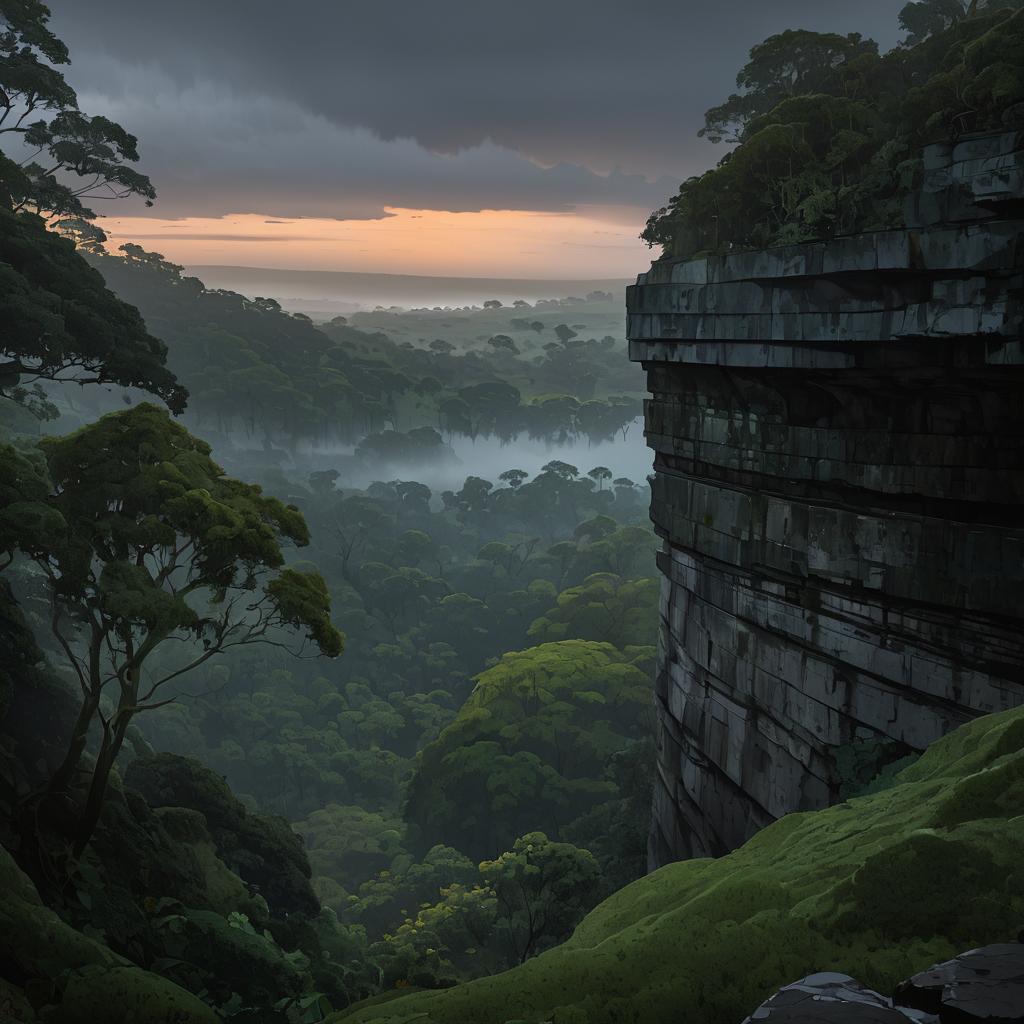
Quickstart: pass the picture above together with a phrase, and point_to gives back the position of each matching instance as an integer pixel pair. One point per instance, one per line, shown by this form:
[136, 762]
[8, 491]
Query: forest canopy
[826, 133]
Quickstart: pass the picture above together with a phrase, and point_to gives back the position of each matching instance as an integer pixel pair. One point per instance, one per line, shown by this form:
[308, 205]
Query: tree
[388, 897]
[603, 607]
[529, 746]
[441, 346]
[95, 150]
[513, 477]
[160, 548]
[600, 474]
[829, 132]
[563, 470]
[564, 333]
[62, 323]
[786, 64]
[322, 481]
[923, 18]
[503, 343]
[543, 890]
[492, 304]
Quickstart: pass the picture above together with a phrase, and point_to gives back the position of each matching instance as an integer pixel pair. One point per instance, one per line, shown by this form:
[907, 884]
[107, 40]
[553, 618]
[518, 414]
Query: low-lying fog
[486, 457]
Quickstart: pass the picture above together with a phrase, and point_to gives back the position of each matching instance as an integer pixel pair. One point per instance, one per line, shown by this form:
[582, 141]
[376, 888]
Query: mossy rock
[14, 1005]
[79, 980]
[878, 888]
[127, 995]
[225, 956]
[261, 849]
[224, 891]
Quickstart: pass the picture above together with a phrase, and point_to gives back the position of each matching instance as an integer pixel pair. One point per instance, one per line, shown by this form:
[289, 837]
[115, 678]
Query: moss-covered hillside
[879, 887]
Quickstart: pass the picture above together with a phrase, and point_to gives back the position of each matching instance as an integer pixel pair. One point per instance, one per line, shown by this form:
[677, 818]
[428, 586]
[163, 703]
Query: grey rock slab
[985, 984]
[830, 998]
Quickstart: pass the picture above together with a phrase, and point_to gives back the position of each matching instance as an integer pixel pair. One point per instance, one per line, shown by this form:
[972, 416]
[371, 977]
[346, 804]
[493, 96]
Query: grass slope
[879, 887]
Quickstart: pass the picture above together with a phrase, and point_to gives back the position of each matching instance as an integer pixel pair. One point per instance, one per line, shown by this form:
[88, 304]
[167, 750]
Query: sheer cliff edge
[838, 431]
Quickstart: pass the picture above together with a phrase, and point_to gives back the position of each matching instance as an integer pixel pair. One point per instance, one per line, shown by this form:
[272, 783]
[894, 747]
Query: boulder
[830, 998]
[985, 984]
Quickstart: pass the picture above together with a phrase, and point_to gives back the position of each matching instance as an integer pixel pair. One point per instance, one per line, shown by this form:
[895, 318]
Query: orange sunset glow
[598, 243]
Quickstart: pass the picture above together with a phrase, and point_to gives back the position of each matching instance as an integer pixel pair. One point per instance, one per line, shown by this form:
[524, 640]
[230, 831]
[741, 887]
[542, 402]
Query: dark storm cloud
[479, 87]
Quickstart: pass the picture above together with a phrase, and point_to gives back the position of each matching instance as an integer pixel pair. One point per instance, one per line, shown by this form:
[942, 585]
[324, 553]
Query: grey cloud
[585, 85]
[213, 153]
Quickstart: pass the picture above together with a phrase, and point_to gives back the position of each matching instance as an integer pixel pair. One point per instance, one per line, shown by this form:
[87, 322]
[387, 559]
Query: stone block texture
[838, 430]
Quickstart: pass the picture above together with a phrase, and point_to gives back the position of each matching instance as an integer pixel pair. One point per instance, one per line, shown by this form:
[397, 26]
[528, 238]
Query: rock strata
[839, 485]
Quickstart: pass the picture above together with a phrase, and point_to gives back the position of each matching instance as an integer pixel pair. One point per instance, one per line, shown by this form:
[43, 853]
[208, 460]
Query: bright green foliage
[448, 938]
[543, 889]
[529, 746]
[603, 607]
[393, 894]
[526, 900]
[829, 132]
[879, 888]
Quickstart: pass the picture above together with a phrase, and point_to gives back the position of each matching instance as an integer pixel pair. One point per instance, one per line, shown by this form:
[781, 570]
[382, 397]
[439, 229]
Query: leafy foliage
[530, 745]
[94, 150]
[61, 323]
[158, 544]
[828, 131]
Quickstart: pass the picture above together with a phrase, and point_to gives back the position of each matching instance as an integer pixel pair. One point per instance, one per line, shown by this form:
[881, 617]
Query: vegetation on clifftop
[828, 132]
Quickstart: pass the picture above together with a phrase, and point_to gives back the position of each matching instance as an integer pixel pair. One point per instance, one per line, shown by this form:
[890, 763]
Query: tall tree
[787, 64]
[160, 552]
[71, 158]
[59, 321]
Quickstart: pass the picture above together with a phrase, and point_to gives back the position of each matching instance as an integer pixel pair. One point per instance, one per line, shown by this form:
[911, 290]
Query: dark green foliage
[157, 545]
[829, 132]
[59, 322]
[262, 850]
[253, 370]
[94, 149]
[792, 63]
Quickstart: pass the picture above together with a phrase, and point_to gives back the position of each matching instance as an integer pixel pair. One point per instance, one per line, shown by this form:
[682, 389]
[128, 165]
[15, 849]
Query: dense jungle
[327, 642]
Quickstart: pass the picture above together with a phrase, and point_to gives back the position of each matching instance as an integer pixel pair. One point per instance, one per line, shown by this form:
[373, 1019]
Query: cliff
[839, 484]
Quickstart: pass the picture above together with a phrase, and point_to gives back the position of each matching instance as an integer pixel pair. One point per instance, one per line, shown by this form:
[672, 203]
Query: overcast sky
[339, 109]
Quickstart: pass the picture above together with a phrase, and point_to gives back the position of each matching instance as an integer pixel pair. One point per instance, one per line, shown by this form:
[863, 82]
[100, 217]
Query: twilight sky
[342, 135]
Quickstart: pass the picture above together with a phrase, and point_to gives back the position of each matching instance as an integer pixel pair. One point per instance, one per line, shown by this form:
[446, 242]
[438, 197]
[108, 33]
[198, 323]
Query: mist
[486, 457]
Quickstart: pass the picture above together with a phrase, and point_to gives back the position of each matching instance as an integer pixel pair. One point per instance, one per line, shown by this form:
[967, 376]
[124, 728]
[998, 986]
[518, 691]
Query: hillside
[878, 887]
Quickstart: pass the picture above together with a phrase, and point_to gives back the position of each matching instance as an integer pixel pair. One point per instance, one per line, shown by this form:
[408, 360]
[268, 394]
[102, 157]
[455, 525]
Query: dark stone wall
[838, 431]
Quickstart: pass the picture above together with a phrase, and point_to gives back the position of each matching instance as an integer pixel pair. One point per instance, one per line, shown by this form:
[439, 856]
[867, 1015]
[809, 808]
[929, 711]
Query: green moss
[79, 979]
[126, 995]
[223, 890]
[878, 887]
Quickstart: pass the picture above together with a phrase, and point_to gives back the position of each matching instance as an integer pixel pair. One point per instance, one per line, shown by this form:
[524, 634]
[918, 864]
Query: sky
[455, 137]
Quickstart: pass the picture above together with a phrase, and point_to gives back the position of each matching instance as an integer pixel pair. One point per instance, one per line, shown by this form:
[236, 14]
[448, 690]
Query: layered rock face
[838, 431]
